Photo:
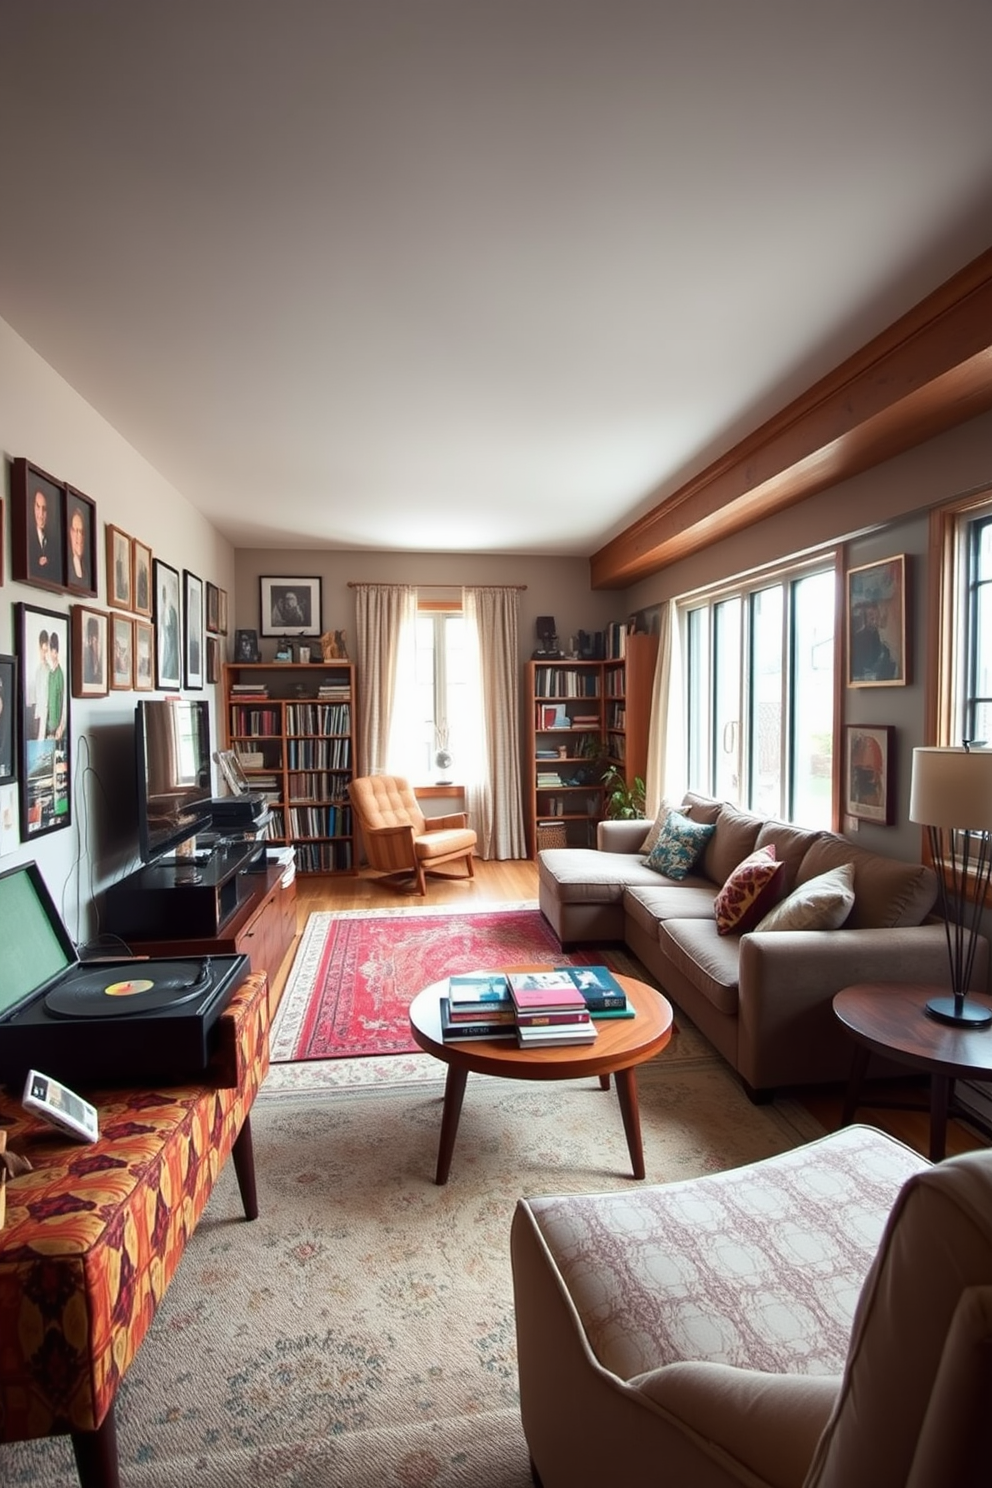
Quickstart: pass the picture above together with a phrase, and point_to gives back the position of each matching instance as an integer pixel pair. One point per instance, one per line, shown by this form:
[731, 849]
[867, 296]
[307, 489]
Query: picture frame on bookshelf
[37, 527]
[246, 646]
[192, 630]
[118, 569]
[89, 652]
[44, 720]
[121, 653]
[80, 542]
[142, 578]
[289, 606]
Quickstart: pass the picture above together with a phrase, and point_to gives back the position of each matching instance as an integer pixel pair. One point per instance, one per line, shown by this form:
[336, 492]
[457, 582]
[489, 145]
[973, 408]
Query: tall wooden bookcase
[292, 727]
[583, 715]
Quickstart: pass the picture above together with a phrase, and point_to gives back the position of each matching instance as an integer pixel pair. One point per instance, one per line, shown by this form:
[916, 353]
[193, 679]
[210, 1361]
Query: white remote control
[61, 1106]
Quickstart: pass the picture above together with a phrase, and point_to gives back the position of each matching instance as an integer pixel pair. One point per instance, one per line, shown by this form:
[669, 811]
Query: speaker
[545, 627]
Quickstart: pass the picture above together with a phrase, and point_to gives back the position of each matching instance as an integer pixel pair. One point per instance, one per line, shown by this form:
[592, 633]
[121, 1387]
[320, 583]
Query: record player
[120, 1022]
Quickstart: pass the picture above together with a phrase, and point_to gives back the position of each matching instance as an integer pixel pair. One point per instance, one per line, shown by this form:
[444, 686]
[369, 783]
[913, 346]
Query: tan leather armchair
[399, 840]
[821, 1319]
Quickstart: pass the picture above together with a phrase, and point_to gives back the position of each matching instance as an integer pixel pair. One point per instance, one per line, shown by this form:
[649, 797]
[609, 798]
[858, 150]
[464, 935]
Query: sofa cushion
[822, 903]
[584, 875]
[791, 845]
[708, 960]
[735, 837]
[887, 893]
[749, 892]
[692, 899]
[680, 845]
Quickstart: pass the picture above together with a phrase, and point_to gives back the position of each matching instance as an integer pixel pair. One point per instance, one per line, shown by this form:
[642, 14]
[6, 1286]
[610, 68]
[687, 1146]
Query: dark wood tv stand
[234, 907]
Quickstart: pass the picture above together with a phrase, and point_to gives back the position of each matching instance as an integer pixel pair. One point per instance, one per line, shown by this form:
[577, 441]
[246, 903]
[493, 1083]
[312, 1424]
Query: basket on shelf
[551, 834]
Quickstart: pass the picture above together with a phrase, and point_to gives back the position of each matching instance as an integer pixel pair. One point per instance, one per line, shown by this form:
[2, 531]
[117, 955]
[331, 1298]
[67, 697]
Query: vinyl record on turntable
[108, 994]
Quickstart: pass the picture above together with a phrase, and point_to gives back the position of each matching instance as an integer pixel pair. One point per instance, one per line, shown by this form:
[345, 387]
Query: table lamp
[951, 795]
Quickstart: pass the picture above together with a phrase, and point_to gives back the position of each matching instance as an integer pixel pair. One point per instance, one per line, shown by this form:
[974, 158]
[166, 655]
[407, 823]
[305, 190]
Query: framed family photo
[213, 608]
[144, 656]
[290, 607]
[868, 764]
[8, 717]
[141, 578]
[168, 651]
[89, 652]
[37, 527]
[192, 629]
[876, 624]
[44, 664]
[118, 569]
[121, 653]
[213, 659]
[80, 542]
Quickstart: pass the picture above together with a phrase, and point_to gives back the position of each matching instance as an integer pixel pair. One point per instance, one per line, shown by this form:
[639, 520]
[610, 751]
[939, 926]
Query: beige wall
[44, 420]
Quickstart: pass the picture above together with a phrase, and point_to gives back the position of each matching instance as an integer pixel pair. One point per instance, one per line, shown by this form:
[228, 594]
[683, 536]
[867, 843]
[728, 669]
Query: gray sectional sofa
[763, 999]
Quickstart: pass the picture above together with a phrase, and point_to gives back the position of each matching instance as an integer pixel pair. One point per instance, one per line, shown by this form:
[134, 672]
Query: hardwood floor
[517, 880]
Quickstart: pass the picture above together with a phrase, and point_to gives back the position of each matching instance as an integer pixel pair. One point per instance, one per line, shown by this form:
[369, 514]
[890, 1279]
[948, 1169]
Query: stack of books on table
[550, 1009]
[478, 1006]
[604, 996]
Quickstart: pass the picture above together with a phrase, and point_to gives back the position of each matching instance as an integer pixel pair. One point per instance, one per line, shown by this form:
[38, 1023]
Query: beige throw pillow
[823, 903]
[654, 831]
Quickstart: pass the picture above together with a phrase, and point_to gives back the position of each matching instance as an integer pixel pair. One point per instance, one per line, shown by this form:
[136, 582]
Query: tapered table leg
[631, 1112]
[243, 1153]
[855, 1081]
[454, 1094]
[96, 1455]
[940, 1099]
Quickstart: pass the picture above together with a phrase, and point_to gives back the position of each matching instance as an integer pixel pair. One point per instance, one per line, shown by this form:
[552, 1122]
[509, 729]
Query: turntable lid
[37, 946]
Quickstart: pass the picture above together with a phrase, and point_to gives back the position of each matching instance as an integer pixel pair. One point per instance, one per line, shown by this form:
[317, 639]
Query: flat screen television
[172, 758]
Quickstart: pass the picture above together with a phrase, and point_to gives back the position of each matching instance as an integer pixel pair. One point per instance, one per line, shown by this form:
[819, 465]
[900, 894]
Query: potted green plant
[624, 801]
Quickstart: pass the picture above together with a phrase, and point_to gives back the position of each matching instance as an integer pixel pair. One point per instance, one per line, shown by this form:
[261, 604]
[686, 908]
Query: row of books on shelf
[555, 717]
[557, 681]
[319, 754]
[541, 1008]
[318, 718]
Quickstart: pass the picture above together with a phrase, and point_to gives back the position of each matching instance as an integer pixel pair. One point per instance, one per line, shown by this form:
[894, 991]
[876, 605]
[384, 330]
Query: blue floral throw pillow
[679, 846]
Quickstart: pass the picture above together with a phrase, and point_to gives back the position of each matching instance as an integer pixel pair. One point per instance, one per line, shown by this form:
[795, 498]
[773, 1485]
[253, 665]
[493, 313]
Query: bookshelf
[292, 727]
[584, 715]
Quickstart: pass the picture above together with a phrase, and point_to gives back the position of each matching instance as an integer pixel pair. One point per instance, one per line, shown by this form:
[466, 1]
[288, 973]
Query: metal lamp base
[960, 1011]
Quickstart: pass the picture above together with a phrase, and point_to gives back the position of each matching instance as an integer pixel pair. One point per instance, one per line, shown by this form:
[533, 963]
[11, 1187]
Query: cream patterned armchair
[821, 1319]
[399, 839]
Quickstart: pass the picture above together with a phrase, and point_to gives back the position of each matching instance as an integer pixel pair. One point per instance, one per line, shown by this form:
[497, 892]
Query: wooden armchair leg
[96, 1455]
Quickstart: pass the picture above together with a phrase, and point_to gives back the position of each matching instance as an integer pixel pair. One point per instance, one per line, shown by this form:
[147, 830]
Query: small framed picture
[222, 611]
[213, 659]
[213, 609]
[192, 629]
[44, 733]
[80, 542]
[290, 607]
[246, 646]
[168, 653]
[118, 569]
[141, 578]
[868, 787]
[37, 527]
[144, 656]
[89, 652]
[8, 715]
[122, 653]
[876, 624]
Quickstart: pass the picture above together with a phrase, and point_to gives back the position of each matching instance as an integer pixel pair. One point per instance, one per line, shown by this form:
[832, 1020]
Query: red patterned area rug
[356, 973]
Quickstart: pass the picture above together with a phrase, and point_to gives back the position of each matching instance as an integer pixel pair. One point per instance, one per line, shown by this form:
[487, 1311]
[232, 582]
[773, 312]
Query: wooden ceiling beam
[928, 371]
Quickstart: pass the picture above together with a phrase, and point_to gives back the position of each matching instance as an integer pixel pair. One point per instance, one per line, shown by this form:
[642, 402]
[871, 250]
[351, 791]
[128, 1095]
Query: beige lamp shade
[952, 788]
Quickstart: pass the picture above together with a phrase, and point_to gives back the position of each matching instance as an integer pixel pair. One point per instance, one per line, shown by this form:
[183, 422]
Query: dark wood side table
[889, 1018]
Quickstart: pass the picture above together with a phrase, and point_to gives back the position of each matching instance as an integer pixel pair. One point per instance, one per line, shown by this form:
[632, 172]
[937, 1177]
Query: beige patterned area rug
[360, 1333]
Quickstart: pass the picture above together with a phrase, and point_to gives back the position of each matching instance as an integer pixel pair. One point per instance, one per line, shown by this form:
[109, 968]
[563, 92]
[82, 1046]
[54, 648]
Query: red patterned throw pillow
[749, 892]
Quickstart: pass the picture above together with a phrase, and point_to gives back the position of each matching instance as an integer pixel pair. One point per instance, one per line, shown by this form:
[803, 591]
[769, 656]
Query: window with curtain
[759, 683]
[961, 552]
[437, 700]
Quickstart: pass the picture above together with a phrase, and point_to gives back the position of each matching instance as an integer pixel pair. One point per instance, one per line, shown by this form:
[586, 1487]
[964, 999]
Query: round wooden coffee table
[890, 1018]
[621, 1045]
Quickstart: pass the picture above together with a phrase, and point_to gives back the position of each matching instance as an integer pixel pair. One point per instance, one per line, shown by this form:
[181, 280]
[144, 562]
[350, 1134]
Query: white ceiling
[473, 274]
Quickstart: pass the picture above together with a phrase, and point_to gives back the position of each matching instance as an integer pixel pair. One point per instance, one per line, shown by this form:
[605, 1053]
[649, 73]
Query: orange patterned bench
[93, 1235]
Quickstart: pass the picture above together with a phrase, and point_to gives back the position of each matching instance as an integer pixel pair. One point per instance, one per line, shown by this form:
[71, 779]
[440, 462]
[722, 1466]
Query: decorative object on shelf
[868, 754]
[89, 652]
[290, 606]
[624, 801]
[37, 526]
[168, 647]
[246, 646]
[303, 655]
[333, 645]
[119, 570]
[43, 653]
[951, 795]
[141, 588]
[876, 624]
[547, 637]
[284, 653]
[192, 629]
[80, 542]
